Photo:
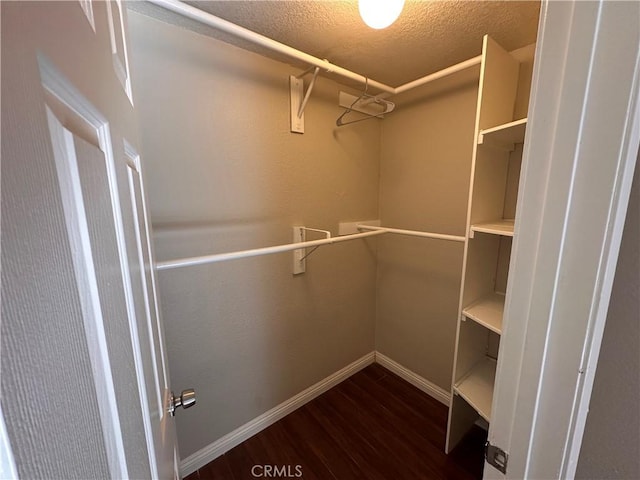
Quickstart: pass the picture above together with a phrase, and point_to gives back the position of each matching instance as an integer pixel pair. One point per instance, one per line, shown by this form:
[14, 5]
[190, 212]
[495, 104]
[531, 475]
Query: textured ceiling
[428, 36]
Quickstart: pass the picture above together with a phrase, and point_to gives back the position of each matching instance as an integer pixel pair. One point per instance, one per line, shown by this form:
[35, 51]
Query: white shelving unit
[499, 227]
[477, 387]
[487, 312]
[495, 167]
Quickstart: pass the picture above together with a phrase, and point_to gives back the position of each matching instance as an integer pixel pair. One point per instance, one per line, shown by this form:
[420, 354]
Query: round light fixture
[380, 13]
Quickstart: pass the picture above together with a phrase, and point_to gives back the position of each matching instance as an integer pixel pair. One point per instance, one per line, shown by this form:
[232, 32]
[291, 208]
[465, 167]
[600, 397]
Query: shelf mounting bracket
[299, 98]
[300, 254]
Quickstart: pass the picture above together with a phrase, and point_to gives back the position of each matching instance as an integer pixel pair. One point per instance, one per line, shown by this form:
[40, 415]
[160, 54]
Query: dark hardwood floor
[372, 426]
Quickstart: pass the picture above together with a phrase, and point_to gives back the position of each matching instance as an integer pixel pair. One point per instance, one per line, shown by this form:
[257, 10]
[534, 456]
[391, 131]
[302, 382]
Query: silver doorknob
[186, 399]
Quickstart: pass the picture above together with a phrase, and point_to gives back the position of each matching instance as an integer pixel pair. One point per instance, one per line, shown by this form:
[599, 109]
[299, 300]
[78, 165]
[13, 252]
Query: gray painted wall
[225, 174]
[425, 168]
[611, 442]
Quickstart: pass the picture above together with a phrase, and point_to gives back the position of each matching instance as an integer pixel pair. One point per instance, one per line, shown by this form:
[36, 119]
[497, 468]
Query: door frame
[580, 153]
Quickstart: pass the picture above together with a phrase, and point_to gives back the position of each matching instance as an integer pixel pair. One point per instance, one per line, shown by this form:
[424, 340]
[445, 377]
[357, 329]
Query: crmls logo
[277, 471]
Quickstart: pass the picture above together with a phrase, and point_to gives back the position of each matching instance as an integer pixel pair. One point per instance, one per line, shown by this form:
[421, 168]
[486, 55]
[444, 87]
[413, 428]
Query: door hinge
[496, 457]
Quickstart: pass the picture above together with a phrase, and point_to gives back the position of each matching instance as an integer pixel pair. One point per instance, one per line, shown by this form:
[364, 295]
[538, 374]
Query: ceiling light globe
[380, 14]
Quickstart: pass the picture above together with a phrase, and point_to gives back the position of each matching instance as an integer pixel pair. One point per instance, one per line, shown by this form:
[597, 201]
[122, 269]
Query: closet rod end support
[296, 95]
[299, 254]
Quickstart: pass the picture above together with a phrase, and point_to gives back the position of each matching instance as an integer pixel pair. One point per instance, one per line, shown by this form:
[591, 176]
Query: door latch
[186, 399]
[496, 457]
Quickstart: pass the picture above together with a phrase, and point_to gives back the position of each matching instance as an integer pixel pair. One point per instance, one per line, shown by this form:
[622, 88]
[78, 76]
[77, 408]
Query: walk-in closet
[285, 239]
[229, 171]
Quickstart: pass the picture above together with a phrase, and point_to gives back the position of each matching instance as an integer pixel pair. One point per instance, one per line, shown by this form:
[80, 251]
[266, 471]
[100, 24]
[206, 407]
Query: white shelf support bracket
[299, 98]
[296, 87]
[309, 90]
[300, 254]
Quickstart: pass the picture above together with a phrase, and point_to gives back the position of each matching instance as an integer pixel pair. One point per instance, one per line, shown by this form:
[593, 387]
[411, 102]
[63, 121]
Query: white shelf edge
[487, 306]
[505, 135]
[498, 227]
[505, 126]
[476, 387]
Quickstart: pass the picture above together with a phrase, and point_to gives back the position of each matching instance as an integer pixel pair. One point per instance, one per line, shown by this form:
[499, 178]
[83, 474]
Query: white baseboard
[239, 435]
[414, 379]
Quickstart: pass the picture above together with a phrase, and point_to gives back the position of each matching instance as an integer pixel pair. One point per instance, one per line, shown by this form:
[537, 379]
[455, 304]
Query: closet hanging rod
[221, 257]
[412, 233]
[201, 16]
[198, 15]
[439, 74]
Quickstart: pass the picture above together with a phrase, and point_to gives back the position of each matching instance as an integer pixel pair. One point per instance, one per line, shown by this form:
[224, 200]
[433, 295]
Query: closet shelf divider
[502, 227]
[477, 387]
[504, 136]
[487, 311]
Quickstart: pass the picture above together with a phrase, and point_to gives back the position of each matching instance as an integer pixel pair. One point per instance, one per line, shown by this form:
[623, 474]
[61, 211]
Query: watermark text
[276, 471]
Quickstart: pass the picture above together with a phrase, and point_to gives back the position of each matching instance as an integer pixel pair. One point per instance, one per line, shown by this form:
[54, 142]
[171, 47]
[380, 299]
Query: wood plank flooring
[372, 426]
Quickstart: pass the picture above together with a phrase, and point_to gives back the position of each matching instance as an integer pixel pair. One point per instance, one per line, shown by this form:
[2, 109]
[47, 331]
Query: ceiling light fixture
[380, 14]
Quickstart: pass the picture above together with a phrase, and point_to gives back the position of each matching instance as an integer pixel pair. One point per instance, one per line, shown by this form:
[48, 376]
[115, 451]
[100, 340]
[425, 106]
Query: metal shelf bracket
[300, 254]
[299, 98]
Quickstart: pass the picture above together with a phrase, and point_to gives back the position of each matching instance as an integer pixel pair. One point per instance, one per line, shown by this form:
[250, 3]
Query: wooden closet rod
[218, 23]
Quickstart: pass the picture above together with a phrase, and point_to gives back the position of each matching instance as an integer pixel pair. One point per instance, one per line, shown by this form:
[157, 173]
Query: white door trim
[133, 163]
[580, 154]
[7, 464]
[628, 162]
[78, 232]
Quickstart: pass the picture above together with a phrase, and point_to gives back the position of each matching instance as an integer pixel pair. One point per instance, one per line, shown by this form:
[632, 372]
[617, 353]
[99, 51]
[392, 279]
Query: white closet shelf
[487, 311]
[476, 387]
[504, 136]
[502, 227]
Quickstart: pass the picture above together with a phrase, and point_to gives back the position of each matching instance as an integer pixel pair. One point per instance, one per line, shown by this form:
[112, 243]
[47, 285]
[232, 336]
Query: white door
[85, 389]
